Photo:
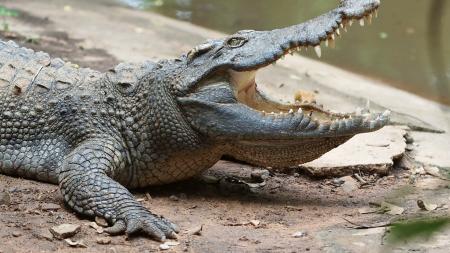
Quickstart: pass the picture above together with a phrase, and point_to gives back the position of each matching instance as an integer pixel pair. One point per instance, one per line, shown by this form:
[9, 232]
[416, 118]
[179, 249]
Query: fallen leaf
[76, 244]
[426, 206]
[391, 209]
[96, 227]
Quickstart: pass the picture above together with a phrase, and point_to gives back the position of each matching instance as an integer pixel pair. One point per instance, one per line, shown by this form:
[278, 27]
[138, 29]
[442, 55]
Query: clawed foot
[158, 228]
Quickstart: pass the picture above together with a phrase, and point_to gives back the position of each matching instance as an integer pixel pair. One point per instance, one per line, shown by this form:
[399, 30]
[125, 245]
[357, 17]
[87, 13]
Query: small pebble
[255, 222]
[164, 247]
[101, 222]
[103, 240]
[260, 175]
[299, 234]
[45, 234]
[174, 198]
[17, 233]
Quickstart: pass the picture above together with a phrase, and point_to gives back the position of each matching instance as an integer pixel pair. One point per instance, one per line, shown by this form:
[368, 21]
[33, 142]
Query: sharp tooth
[272, 113]
[326, 43]
[361, 22]
[334, 125]
[338, 32]
[318, 51]
[341, 25]
[332, 43]
[350, 22]
[369, 18]
[333, 37]
[291, 111]
[300, 110]
[376, 13]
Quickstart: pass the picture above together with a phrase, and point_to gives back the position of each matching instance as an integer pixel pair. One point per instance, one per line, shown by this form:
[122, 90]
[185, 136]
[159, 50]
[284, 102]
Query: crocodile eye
[236, 41]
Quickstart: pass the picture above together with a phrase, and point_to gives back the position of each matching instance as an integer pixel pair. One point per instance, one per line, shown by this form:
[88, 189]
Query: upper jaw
[322, 30]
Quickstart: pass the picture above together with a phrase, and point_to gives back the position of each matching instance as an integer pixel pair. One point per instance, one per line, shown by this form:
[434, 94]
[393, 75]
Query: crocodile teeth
[361, 22]
[291, 111]
[300, 110]
[350, 22]
[331, 43]
[338, 32]
[318, 51]
[369, 19]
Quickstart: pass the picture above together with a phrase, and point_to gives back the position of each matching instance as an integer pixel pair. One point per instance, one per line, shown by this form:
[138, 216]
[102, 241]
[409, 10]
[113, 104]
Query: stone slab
[371, 152]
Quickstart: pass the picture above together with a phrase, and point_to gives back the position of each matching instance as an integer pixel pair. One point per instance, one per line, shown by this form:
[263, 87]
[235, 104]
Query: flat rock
[65, 230]
[370, 152]
[432, 148]
[44, 234]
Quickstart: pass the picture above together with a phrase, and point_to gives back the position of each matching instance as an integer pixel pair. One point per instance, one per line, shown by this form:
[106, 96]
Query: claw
[173, 235]
[152, 230]
[118, 228]
[133, 226]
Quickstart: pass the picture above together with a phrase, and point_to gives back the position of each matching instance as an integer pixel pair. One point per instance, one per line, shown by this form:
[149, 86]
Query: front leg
[85, 180]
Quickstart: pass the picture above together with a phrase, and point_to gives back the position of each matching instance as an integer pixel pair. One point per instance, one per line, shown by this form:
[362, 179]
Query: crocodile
[98, 135]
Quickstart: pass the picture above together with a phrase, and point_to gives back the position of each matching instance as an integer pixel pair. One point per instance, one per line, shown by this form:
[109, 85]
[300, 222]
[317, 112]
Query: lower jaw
[282, 156]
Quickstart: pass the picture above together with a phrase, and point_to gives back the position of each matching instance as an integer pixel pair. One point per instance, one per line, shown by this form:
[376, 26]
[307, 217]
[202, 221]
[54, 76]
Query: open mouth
[247, 93]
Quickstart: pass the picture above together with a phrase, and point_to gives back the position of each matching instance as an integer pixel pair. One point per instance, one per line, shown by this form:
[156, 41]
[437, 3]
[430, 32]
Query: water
[407, 46]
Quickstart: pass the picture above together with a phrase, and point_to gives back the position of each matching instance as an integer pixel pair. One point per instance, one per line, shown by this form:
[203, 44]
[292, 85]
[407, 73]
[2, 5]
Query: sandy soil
[236, 216]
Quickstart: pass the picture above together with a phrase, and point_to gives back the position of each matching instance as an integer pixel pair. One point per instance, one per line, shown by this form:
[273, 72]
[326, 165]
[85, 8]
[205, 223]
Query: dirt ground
[287, 204]
[239, 207]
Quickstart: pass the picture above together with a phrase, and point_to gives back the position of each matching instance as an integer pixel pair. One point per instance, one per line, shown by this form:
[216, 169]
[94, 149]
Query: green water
[407, 46]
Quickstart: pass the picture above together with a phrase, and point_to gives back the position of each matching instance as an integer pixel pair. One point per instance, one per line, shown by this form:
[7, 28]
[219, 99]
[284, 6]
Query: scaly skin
[97, 134]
